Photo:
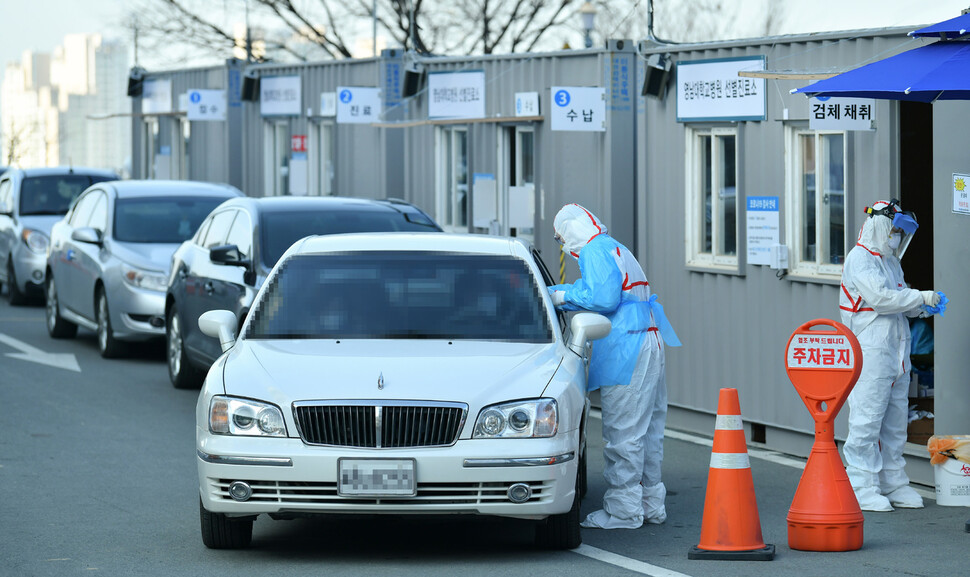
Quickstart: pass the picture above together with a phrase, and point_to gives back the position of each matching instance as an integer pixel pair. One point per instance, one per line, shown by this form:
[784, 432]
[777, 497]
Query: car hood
[474, 372]
[42, 222]
[152, 256]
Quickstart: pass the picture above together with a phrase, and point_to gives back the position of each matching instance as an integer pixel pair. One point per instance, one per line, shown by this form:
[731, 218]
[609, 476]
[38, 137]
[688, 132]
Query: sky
[40, 25]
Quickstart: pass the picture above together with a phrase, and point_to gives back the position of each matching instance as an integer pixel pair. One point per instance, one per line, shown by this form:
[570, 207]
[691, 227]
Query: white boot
[654, 511]
[905, 497]
[870, 499]
[603, 520]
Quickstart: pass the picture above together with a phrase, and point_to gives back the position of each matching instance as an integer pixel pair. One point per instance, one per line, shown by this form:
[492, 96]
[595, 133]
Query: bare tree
[16, 140]
[331, 28]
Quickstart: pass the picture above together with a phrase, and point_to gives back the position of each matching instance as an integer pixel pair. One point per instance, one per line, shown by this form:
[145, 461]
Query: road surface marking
[626, 562]
[65, 361]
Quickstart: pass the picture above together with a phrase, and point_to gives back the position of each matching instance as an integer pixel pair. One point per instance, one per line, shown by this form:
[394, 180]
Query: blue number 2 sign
[562, 98]
[345, 96]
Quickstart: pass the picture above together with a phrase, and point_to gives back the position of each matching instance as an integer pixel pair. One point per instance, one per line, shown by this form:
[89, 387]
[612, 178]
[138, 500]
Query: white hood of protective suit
[577, 226]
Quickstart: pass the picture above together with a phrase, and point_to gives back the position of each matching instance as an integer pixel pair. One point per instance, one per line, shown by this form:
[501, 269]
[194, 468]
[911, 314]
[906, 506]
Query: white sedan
[397, 374]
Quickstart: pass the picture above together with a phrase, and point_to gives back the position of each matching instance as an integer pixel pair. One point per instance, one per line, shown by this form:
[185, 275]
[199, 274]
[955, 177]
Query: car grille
[429, 495]
[393, 425]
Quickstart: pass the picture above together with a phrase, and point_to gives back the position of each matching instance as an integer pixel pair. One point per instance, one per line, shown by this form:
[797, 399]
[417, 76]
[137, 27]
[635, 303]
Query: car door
[230, 289]
[64, 253]
[200, 273]
[7, 236]
[86, 258]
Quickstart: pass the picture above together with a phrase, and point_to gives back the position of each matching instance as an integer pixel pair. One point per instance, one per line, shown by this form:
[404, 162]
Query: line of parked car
[398, 369]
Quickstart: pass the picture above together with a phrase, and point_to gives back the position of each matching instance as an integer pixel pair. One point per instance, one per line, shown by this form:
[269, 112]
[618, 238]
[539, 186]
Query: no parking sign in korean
[578, 108]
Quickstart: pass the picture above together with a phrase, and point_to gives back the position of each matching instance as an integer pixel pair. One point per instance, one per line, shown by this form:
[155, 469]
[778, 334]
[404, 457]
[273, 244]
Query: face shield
[903, 224]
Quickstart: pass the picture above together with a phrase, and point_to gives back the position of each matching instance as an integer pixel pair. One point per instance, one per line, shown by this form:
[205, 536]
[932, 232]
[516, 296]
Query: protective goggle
[559, 239]
[903, 220]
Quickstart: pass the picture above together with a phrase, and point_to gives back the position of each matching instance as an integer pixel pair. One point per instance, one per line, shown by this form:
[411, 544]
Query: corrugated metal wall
[735, 327]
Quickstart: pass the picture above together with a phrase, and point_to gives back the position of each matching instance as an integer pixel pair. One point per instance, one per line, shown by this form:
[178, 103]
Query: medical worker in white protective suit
[874, 303]
[627, 366]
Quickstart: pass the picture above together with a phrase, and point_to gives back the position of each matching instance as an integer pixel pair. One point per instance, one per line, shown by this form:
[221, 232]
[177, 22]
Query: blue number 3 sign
[562, 98]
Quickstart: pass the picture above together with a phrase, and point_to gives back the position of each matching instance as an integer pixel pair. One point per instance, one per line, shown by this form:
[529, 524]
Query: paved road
[98, 476]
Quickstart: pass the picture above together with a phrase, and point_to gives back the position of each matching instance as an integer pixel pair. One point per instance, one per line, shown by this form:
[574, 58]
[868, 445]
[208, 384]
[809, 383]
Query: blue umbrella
[939, 71]
[948, 29]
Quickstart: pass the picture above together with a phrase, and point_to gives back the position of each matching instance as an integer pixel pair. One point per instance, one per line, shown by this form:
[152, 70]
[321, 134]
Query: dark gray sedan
[225, 263]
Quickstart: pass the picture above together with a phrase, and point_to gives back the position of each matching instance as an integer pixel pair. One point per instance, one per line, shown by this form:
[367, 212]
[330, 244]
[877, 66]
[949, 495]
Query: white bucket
[952, 483]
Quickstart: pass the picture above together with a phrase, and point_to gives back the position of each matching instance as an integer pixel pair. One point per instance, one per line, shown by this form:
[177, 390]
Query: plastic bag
[945, 447]
[922, 337]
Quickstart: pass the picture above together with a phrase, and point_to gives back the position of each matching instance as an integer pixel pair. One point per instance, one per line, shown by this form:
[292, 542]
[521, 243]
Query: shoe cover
[906, 498]
[870, 500]
[654, 511]
[603, 520]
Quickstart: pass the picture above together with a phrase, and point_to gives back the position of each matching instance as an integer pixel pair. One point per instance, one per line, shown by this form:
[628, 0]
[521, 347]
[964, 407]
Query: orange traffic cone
[731, 528]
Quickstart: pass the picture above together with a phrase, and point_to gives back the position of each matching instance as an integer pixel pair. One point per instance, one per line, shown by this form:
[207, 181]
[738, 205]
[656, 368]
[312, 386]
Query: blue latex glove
[938, 309]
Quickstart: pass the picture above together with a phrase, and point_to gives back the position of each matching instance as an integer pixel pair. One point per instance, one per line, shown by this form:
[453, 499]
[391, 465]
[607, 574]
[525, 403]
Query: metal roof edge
[646, 47]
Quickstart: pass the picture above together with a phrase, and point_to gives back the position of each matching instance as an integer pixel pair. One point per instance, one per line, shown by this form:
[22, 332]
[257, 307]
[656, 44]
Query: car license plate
[376, 478]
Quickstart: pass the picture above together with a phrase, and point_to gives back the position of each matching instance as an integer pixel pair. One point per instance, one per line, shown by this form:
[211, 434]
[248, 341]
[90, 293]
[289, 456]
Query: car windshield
[161, 219]
[402, 295]
[279, 230]
[53, 194]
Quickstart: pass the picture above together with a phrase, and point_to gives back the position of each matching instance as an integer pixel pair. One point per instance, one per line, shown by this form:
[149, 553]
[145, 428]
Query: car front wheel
[109, 346]
[14, 294]
[561, 531]
[182, 374]
[222, 532]
[57, 327]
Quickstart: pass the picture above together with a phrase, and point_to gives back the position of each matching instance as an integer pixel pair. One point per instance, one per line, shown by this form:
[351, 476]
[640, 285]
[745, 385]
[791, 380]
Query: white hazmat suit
[874, 303]
[627, 367]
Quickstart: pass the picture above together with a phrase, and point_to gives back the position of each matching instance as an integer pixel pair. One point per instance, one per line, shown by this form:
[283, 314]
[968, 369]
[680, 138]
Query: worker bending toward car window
[627, 366]
[874, 304]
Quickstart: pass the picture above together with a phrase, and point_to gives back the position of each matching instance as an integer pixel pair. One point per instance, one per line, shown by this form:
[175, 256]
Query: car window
[5, 188]
[99, 215]
[52, 194]
[160, 219]
[241, 234]
[402, 295]
[219, 229]
[547, 277]
[279, 230]
[82, 211]
[200, 234]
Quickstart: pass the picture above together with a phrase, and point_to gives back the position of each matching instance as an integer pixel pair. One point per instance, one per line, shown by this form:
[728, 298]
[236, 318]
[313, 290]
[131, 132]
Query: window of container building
[817, 202]
[712, 216]
[452, 178]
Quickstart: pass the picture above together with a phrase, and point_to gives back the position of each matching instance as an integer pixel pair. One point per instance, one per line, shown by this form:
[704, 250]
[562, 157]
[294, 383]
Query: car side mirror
[228, 254]
[220, 324]
[587, 327]
[88, 235]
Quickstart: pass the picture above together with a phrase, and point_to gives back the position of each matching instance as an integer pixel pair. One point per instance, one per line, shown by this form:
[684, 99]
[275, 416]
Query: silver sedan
[110, 257]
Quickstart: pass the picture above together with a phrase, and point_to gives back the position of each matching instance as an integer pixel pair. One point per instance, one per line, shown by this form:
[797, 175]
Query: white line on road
[626, 562]
[65, 361]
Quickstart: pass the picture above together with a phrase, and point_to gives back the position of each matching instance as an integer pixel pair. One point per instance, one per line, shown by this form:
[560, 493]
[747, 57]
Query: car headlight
[231, 416]
[519, 419]
[146, 279]
[35, 240]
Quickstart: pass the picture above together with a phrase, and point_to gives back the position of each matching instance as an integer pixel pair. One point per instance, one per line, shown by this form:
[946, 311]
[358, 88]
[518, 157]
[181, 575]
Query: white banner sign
[206, 105]
[827, 113]
[763, 229]
[578, 108]
[961, 196]
[356, 105]
[328, 104]
[456, 95]
[822, 352]
[156, 97]
[712, 90]
[280, 96]
[527, 104]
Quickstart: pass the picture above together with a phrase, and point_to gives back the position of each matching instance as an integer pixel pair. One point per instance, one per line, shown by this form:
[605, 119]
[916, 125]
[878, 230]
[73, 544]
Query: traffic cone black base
[766, 554]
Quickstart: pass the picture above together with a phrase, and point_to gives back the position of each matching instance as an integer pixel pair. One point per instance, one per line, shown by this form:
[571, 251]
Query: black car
[225, 263]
